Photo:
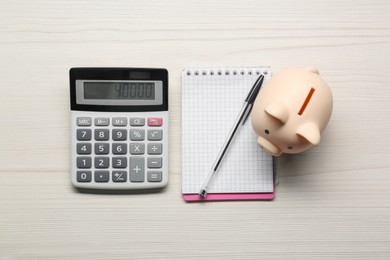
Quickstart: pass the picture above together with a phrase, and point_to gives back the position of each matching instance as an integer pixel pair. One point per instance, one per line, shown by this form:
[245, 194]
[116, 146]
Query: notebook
[211, 100]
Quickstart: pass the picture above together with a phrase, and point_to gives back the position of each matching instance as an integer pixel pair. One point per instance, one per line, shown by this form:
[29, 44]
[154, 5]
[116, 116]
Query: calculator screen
[120, 90]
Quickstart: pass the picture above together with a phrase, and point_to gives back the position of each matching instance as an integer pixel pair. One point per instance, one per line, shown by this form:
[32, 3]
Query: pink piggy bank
[291, 111]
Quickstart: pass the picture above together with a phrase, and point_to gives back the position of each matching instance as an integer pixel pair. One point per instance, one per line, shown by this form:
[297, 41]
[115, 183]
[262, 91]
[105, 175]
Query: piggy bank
[291, 111]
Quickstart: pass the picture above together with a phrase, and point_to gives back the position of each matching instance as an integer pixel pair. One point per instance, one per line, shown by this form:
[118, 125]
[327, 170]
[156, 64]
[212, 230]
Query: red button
[155, 121]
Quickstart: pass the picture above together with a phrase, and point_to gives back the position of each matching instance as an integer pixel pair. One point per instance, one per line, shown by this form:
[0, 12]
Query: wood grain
[333, 201]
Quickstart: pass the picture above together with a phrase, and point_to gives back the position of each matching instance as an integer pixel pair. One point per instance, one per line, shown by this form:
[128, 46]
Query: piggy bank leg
[268, 146]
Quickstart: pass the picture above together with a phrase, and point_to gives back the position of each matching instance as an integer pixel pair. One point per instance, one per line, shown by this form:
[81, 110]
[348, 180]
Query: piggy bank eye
[266, 131]
[290, 147]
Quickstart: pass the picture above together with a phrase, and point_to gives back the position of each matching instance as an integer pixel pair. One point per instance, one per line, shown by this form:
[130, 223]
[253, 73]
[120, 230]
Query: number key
[84, 176]
[119, 162]
[84, 134]
[84, 148]
[119, 148]
[102, 148]
[102, 162]
[84, 162]
[119, 134]
[102, 134]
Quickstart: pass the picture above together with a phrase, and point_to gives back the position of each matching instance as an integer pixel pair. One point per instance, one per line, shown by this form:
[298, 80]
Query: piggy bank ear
[278, 111]
[310, 132]
[313, 70]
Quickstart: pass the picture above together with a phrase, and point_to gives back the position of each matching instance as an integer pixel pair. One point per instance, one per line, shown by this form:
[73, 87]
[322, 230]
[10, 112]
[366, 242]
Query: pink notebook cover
[233, 196]
[229, 196]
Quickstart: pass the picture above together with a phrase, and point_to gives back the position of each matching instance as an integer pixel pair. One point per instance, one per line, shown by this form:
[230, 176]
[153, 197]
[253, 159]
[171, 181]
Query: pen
[242, 116]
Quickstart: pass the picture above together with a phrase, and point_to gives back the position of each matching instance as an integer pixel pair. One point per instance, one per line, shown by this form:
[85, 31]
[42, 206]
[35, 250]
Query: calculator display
[119, 90]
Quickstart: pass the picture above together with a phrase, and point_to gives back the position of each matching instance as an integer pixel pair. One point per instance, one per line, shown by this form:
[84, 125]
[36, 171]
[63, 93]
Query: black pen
[244, 113]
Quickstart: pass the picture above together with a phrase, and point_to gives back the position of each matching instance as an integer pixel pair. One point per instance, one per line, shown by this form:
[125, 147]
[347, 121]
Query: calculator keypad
[119, 149]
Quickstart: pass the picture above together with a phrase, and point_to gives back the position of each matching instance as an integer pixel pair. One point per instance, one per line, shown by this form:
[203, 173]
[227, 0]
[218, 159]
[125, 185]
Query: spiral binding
[226, 72]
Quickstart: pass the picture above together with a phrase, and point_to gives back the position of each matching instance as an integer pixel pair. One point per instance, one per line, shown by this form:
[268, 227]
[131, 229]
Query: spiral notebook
[211, 100]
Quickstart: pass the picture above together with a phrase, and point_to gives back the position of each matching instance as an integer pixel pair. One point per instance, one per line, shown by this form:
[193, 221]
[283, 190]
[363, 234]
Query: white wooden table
[333, 201]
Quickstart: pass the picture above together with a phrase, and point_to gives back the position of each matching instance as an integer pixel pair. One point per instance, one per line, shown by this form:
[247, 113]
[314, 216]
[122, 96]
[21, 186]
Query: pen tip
[203, 193]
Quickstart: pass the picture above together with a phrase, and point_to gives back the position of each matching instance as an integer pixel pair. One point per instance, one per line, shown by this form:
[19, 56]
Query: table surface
[333, 201]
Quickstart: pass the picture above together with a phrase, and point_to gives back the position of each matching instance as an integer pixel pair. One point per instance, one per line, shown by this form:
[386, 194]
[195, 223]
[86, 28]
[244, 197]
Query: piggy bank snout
[268, 146]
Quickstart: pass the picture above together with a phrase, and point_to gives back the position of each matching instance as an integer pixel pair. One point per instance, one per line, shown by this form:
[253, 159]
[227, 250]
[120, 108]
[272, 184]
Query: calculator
[119, 128]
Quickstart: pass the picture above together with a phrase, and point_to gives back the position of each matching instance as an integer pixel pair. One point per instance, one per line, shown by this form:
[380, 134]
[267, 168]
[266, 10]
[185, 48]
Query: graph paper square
[211, 100]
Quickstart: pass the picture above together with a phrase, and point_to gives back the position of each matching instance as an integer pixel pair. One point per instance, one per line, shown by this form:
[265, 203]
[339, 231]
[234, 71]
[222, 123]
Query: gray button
[102, 148]
[154, 162]
[137, 134]
[154, 176]
[119, 148]
[102, 134]
[84, 134]
[119, 162]
[84, 162]
[137, 148]
[155, 148]
[119, 121]
[119, 134]
[84, 121]
[102, 176]
[102, 121]
[155, 135]
[84, 148]
[137, 169]
[119, 176]
[84, 176]
[137, 121]
[102, 162]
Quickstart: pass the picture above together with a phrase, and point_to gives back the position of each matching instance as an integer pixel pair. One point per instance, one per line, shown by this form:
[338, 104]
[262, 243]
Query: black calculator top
[119, 89]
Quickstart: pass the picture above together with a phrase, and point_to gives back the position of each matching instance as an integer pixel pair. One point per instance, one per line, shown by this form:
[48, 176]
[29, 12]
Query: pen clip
[250, 99]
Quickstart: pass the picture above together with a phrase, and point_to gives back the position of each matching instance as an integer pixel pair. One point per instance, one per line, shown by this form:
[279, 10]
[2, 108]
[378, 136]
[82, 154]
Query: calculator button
[84, 148]
[119, 134]
[102, 148]
[102, 121]
[119, 162]
[154, 176]
[84, 162]
[137, 121]
[155, 121]
[137, 169]
[137, 148]
[119, 176]
[102, 134]
[137, 134]
[119, 148]
[84, 121]
[155, 135]
[154, 148]
[102, 176]
[84, 176]
[154, 162]
[84, 134]
[102, 162]
[119, 121]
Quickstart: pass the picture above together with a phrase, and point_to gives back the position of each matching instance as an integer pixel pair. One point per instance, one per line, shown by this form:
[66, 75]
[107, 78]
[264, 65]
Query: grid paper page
[211, 101]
